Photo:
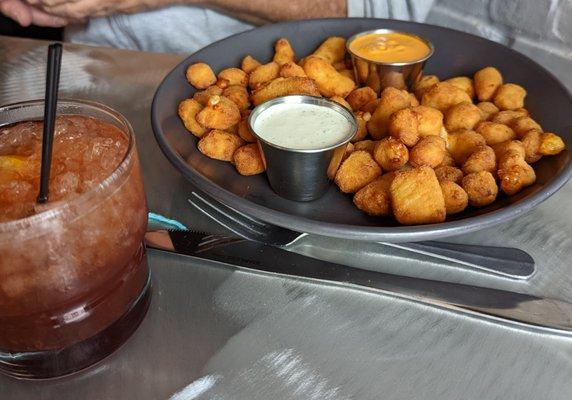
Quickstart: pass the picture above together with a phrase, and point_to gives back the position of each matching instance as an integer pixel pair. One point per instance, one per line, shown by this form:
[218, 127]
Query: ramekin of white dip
[297, 136]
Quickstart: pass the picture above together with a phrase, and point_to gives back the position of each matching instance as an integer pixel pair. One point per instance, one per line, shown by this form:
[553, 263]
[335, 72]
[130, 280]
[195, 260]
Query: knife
[499, 305]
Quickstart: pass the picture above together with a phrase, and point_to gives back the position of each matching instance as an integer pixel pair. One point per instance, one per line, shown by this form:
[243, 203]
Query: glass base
[57, 363]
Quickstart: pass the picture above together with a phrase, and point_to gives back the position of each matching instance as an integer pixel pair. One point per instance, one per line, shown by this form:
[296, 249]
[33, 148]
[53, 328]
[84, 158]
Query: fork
[506, 262]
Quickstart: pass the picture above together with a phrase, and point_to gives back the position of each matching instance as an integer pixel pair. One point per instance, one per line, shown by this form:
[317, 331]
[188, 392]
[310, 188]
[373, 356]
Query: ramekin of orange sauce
[384, 57]
[390, 47]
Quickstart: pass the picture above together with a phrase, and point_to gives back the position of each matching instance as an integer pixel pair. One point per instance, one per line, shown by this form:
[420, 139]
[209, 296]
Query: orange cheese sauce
[389, 47]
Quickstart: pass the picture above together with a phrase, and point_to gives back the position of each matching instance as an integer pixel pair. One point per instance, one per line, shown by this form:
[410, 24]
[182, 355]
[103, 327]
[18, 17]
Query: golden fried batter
[244, 131]
[188, 109]
[488, 110]
[232, 76]
[283, 52]
[219, 113]
[510, 97]
[356, 171]
[290, 69]
[429, 151]
[521, 125]
[348, 73]
[464, 83]
[339, 155]
[514, 172]
[443, 95]
[494, 133]
[430, 121]
[284, 86]
[200, 75]
[462, 144]
[361, 118]
[503, 147]
[464, 115]
[262, 74]
[249, 64]
[366, 145]
[341, 101]
[416, 197]
[374, 198]
[219, 145]
[391, 153]
[531, 141]
[404, 125]
[330, 82]
[483, 159]
[390, 101]
[487, 81]
[239, 95]
[333, 49]
[448, 160]
[551, 144]
[247, 160]
[202, 96]
[360, 97]
[449, 173]
[481, 188]
[424, 83]
[456, 199]
[509, 116]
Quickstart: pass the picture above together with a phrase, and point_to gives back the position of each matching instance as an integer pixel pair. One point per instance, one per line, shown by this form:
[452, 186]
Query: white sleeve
[413, 10]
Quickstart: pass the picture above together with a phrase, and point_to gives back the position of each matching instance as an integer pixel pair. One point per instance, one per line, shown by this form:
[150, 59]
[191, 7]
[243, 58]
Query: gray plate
[334, 214]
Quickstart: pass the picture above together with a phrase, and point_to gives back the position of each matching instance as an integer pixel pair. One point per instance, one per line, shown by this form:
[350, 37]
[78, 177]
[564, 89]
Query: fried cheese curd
[450, 144]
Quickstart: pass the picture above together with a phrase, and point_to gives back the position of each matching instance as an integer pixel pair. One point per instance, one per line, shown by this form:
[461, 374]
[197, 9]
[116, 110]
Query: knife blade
[500, 305]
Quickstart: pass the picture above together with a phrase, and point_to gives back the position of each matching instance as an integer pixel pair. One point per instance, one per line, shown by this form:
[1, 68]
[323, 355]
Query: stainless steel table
[222, 333]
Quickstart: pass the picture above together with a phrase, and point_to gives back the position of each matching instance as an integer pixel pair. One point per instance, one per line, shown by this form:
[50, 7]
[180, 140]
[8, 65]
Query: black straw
[50, 106]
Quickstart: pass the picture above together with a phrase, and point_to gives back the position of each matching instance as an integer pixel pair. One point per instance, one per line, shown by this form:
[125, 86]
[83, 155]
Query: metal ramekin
[379, 75]
[299, 174]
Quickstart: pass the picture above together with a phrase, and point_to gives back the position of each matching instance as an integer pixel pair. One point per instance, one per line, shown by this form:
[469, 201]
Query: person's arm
[264, 11]
[26, 15]
[258, 11]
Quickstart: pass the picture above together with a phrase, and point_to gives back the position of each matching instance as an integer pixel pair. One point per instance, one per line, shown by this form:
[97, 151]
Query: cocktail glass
[74, 280]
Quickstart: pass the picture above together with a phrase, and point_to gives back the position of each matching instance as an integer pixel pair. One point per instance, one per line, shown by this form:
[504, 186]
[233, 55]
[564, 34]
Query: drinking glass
[74, 280]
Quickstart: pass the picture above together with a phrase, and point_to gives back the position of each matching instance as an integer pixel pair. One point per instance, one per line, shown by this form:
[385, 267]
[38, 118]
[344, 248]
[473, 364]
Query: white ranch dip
[302, 126]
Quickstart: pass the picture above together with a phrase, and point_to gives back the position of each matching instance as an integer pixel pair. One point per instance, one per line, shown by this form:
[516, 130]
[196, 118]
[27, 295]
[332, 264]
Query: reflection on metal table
[218, 332]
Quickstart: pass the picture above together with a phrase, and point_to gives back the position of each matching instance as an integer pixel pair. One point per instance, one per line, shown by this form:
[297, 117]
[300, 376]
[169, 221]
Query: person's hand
[26, 15]
[81, 9]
